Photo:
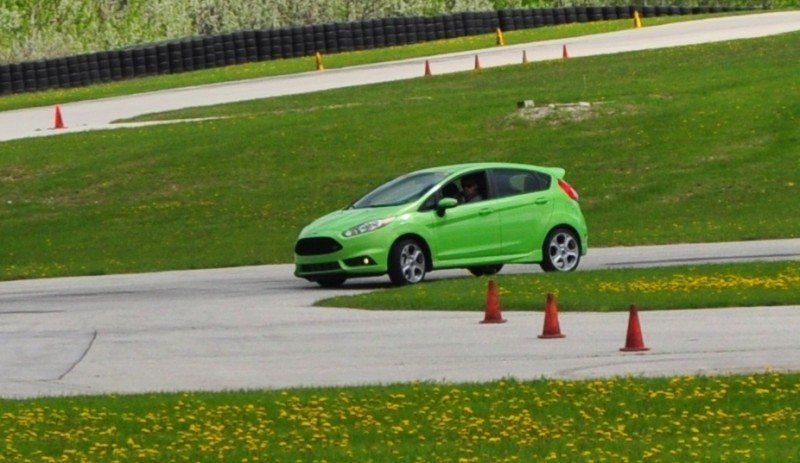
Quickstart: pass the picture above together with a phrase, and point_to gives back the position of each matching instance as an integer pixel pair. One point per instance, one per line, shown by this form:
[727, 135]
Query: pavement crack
[83, 355]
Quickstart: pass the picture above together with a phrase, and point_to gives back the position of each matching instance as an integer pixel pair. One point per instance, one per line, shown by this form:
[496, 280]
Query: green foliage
[45, 29]
[33, 30]
[724, 418]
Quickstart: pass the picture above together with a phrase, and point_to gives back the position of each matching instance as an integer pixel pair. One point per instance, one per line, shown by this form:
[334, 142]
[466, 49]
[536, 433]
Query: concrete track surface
[99, 114]
[254, 327]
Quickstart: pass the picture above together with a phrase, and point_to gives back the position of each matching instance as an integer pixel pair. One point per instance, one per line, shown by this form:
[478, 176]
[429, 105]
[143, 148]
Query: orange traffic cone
[59, 122]
[524, 57]
[320, 66]
[477, 63]
[551, 328]
[634, 342]
[493, 314]
[428, 68]
[564, 53]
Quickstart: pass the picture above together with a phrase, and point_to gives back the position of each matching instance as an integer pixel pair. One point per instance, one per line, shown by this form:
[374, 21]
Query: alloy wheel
[412, 263]
[564, 251]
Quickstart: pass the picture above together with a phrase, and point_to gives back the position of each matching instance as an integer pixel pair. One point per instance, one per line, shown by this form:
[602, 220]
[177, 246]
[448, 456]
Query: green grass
[699, 144]
[728, 285]
[691, 144]
[332, 61]
[734, 418]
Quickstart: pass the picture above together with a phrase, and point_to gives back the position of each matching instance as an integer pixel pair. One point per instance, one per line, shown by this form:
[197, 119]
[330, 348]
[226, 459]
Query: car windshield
[401, 190]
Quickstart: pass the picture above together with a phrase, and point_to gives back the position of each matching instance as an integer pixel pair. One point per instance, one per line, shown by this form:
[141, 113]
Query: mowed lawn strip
[330, 61]
[691, 144]
[702, 286]
[725, 418]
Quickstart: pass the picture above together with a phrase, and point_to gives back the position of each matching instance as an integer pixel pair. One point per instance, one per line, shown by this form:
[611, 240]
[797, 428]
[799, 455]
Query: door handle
[485, 211]
[541, 201]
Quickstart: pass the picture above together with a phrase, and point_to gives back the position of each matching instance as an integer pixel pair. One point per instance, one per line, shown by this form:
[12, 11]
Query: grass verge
[726, 418]
[728, 285]
[333, 61]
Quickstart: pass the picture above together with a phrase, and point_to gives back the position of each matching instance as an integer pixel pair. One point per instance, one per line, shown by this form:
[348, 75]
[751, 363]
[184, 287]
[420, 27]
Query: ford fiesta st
[476, 216]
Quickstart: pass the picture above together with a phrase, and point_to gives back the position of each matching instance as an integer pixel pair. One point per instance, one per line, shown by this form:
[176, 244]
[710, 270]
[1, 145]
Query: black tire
[407, 262]
[331, 281]
[561, 251]
[485, 270]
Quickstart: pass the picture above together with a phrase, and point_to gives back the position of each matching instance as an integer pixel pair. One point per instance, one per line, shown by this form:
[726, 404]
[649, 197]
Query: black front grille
[316, 246]
[324, 267]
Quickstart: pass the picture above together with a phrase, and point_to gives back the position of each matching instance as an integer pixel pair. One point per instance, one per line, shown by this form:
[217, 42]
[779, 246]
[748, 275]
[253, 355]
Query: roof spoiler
[556, 172]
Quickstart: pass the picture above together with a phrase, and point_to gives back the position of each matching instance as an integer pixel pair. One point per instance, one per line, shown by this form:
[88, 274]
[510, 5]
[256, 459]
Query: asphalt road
[98, 114]
[254, 327]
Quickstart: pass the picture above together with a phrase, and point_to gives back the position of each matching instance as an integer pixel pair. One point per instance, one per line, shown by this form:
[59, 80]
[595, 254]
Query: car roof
[467, 167]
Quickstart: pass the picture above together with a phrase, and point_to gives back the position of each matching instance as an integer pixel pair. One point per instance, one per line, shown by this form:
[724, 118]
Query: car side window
[449, 190]
[469, 188]
[430, 203]
[509, 182]
[473, 187]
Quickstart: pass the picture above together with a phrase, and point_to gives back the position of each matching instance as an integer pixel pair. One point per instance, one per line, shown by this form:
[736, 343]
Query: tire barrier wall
[258, 45]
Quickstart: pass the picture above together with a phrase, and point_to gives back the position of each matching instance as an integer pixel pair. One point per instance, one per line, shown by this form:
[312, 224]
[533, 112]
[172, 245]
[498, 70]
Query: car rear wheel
[485, 270]
[407, 262]
[561, 251]
[333, 281]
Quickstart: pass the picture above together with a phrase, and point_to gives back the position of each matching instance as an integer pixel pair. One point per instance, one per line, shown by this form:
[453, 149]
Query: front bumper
[362, 255]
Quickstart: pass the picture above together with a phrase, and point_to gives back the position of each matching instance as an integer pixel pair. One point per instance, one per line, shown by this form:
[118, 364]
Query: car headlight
[367, 227]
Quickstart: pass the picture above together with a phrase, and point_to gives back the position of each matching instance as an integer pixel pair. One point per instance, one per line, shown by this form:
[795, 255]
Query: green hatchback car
[475, 216]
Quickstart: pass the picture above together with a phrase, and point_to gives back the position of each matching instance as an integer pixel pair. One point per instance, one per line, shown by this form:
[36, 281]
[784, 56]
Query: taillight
[568, 190]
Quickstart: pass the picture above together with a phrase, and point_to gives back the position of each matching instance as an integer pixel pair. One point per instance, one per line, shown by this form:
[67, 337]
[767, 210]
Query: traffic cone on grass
[492, 314]
[551, 328]
[637, 20]
[59, 121]
[564, 52]
[634, 341]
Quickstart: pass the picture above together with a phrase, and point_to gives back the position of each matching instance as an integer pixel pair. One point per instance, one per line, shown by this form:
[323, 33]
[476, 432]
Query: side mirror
[444, 204]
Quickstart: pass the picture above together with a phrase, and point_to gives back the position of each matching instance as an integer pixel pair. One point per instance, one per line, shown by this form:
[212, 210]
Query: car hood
[339, 221]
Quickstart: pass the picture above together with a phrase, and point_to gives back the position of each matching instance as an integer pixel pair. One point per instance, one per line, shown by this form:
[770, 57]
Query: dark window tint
[510, 182]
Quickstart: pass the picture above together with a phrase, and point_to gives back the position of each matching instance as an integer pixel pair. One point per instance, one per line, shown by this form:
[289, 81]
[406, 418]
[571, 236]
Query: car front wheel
[561, 251]
[407, 262]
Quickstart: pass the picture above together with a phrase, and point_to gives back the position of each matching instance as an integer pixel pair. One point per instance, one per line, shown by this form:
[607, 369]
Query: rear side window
[509, 182]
